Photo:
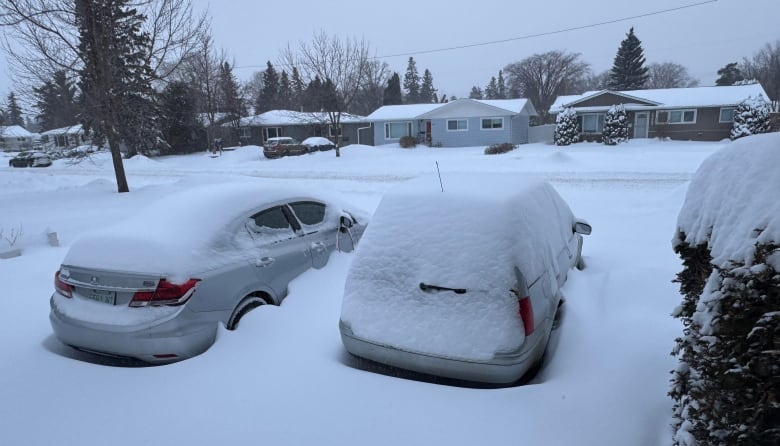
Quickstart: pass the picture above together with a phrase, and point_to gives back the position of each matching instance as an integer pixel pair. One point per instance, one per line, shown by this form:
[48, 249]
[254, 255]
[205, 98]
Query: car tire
[246, 305]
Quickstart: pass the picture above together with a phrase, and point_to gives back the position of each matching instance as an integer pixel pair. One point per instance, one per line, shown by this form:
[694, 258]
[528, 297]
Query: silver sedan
[155, 287]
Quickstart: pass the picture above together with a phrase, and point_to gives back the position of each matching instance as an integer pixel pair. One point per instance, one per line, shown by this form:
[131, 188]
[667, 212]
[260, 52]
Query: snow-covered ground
[284, 377]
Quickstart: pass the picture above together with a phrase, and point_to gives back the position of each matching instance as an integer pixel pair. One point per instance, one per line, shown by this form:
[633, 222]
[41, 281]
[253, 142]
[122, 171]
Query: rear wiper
[427, 287]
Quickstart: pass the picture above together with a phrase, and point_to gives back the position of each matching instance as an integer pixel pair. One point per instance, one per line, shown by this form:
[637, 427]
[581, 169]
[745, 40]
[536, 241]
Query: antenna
[439, 172]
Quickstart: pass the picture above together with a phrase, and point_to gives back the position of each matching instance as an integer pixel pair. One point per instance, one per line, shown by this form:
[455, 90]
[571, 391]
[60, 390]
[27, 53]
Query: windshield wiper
[427, 287]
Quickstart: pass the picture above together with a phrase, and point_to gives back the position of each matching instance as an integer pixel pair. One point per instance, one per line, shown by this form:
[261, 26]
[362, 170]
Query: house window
[245, 132]
[397, 130]
[726, 114]
[332, 133]
[593, 123]
[271, 132]
[676, 117]
[492, 123]
[457, 125]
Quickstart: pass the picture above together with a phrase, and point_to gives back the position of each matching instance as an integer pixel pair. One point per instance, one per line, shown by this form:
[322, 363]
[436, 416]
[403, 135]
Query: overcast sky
[703, 38]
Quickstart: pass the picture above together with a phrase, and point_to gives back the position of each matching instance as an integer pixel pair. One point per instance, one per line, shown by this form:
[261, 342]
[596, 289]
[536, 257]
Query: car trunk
[109, 287]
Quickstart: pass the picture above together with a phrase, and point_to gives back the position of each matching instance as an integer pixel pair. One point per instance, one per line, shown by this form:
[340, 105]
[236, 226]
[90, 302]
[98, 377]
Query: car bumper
[499, 370]
[157, 342]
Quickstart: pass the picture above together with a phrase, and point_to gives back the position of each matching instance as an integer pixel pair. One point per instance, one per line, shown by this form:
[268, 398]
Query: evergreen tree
[427, 92]
[491, 90]
[56, 102]
[298, 87]
[751, 117]
[412, 83]
[615, 126]
[476, 93]
[628, 70]
[180, 127]
[230, 101]
[392, 94]
[501, 92]
[268, 98]
[567, 129]
[285, 92]
[14, 112]
[729, 75]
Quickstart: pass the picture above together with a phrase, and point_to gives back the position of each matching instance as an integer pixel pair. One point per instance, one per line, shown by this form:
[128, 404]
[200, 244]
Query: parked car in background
[463, 282]
[30, 159]
[157, 288]
[283, 146]
[320, 143]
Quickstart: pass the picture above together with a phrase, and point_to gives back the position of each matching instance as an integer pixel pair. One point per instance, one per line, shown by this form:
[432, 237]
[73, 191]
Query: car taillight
[527, 314]
[62, 287]
[167, 293]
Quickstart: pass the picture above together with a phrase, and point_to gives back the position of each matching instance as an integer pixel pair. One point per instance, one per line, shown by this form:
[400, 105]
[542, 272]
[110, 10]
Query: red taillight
[167, 293]
[62, 287]
[527, 314]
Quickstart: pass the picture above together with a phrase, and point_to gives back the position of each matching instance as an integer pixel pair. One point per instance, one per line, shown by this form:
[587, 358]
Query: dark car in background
[30, 159]
[318, 143]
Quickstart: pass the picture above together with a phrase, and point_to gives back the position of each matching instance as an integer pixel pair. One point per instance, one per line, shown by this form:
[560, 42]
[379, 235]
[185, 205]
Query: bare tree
[765, 68]
[669, 75]
[371, 94]
[543, 77]
[343, 62]
[596, 82]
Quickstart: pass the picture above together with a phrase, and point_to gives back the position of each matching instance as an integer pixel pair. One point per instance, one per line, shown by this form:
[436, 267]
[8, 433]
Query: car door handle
[319, 246]
[264, 261]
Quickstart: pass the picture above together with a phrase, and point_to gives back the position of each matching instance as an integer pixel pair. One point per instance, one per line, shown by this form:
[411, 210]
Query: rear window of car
[309, 212]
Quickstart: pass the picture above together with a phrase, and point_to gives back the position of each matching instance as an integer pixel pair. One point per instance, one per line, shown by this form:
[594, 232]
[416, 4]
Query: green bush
[495, 149]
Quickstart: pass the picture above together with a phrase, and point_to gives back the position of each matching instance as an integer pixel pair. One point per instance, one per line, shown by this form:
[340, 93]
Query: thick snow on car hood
[179, 235]
[460, 238]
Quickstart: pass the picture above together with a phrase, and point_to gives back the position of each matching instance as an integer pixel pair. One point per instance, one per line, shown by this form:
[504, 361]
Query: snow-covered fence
[541, 133]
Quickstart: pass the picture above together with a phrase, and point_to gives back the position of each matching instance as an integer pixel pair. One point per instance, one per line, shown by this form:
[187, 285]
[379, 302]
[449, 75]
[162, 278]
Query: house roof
[75, 129]
[14, 131]
[290, 117]
[476, 106]
[671, 97]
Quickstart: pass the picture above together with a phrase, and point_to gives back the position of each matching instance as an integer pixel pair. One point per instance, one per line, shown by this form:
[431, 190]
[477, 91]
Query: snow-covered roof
[290, 117]
[470, 108]
[75, 129]
[421, 111]
[394, 112]
[674, 97]
[14, 131]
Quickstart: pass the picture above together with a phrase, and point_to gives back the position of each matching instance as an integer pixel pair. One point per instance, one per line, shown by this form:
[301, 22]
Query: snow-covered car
[320, 143]
[30, 159]
[461, 279]
[156, 286]
[283, 146]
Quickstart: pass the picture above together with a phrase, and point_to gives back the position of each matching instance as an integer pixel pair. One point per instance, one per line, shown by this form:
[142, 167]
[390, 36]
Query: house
[64, 137]
[299, 125]
[14, 138]
[460, 123]
[697, 113]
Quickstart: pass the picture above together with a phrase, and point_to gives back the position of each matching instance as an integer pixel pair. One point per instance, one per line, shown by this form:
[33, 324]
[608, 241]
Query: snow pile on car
[470, 236]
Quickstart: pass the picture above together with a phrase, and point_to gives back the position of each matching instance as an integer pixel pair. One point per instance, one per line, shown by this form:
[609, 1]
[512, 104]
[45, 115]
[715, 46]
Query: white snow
[284, 377]
[291, 117]
[14, 131]
[317, 141]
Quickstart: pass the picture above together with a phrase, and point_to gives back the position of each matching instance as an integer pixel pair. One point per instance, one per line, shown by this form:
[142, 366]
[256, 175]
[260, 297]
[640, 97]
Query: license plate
[104, 296]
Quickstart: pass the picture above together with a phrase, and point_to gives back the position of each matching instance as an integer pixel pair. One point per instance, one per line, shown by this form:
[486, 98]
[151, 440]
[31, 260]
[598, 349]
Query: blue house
[460, 123]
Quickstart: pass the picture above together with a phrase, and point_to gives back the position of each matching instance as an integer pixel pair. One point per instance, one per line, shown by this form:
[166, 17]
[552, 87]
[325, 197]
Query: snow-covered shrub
[407, 142]
[751, 117]
[495, 149]
[567, 130]
[615, 126]
[727, 383]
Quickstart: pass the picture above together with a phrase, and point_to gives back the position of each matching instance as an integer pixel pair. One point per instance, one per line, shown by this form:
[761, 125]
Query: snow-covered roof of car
[317, 141]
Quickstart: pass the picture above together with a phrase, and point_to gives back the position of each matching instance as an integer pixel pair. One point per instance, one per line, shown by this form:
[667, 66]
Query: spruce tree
[500, 86]
[615, 126]
[628, 70]
[751, 117]
[729, 75]
[567, 130]
[269, 95]
[298, 87]
[412, 83]
[312, 97]
[13, 112]
[476, 93]
[491, 90]
[56, 102]
[392, 94]
[180, 127]
[230, 101]
[427, 92]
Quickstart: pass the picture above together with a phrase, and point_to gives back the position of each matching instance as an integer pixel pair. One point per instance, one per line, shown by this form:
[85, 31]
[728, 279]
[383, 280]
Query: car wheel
[248, 304]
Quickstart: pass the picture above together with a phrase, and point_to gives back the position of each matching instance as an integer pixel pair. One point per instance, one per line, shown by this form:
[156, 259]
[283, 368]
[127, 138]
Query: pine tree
[615, 126]
[14, 112]
[285, 92]
[491, 90]
[269, 95]
[566, 128]
[427, 92]
[729, 75]
[56, 102]
[628, 70]
[230, 101]
[476, 93]
[412, 83]
[298, 87]
[751, 117]
[180, 127]
[392, 94]
[501, 86]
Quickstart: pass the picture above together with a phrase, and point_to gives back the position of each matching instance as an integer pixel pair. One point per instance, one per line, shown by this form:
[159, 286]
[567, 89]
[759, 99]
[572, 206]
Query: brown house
[698, 113]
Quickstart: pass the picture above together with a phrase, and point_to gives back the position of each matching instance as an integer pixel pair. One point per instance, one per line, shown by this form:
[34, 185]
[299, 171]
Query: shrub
[615, 126]
[567, 130]
[751, 117]
[407, 142]
[495, 149]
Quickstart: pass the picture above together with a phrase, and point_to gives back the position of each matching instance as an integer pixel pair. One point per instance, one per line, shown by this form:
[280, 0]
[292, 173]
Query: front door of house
[641, 124]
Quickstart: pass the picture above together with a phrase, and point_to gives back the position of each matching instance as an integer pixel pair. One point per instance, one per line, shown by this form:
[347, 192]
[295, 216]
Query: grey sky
[702, 38]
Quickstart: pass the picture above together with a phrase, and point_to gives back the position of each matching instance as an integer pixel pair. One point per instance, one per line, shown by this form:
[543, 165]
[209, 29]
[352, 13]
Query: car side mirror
[345, 223]
[581, 227]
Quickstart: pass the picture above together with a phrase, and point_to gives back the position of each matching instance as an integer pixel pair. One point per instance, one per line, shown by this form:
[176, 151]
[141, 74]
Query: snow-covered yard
[284, 378]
